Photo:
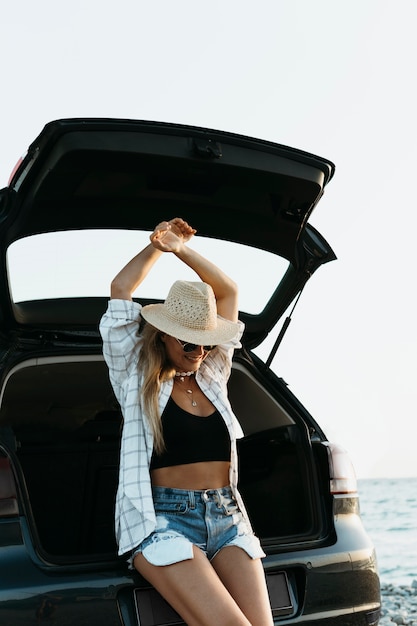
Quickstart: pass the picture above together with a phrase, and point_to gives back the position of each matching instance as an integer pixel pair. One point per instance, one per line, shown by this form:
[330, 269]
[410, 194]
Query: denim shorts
[209, 519]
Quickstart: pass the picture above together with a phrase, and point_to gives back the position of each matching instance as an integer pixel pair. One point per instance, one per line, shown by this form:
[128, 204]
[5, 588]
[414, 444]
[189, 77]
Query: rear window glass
[82, 263]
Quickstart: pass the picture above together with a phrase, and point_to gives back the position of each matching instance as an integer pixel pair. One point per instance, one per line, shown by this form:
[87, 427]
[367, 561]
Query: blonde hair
[155, 369]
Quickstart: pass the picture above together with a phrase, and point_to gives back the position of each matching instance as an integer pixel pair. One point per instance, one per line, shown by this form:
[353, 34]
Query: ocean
[389, 514]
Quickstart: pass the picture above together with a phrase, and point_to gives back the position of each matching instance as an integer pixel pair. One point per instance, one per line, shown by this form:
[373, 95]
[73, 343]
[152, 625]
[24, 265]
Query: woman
[178, 511]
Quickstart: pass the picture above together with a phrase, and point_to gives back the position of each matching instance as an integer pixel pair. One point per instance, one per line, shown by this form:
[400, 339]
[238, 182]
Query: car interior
[63, 426]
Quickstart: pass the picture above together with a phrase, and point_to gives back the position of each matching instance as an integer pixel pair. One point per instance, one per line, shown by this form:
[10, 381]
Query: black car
[86, 184]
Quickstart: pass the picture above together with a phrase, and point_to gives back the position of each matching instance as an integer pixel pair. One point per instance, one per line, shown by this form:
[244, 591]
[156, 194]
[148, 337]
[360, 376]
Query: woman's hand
[170, 236]
[167, 237]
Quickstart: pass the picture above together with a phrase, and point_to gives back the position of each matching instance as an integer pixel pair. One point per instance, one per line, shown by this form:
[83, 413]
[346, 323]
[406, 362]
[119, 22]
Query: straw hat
[189, 313]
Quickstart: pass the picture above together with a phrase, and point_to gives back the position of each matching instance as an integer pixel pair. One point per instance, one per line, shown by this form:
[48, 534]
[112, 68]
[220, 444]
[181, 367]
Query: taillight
[8, 492]
[342, 472]
[16, 167]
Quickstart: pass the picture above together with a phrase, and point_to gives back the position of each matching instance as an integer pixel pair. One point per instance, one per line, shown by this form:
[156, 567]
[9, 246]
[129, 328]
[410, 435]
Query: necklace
[180, 376]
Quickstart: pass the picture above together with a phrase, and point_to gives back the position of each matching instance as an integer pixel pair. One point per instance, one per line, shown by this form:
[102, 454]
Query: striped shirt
[119, 327]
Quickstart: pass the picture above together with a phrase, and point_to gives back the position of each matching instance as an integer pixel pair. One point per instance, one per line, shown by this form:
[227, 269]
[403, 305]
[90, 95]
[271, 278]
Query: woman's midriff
[206, 475]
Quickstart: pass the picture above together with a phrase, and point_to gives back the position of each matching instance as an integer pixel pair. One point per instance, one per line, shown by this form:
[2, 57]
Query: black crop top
[191, 439]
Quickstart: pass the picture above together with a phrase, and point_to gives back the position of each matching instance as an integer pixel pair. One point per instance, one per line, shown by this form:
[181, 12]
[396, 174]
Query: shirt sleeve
[119, 329]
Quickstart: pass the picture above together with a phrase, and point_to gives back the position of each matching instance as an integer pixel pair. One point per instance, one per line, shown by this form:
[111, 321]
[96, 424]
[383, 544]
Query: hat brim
[156, 315]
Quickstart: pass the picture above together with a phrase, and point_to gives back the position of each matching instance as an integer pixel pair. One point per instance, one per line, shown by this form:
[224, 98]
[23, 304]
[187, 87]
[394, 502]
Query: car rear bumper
[334, 585]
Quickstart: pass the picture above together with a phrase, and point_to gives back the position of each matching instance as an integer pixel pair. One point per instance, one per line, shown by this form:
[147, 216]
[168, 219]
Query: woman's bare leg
[245, 580]
[195, 591]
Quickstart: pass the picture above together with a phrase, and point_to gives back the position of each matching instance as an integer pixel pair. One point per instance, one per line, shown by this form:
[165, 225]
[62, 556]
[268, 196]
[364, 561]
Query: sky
[332, 77]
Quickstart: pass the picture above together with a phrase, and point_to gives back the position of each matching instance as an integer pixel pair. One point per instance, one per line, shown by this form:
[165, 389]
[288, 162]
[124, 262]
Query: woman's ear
[162, 336]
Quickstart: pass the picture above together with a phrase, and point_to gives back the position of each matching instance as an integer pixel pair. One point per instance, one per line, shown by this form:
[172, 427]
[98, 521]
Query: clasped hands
[170, 236]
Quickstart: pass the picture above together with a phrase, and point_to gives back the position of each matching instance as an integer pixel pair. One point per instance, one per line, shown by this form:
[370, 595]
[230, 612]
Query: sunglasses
[190, 347]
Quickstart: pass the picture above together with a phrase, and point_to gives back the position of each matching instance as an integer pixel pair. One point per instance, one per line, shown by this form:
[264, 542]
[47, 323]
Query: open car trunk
[63, 429]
